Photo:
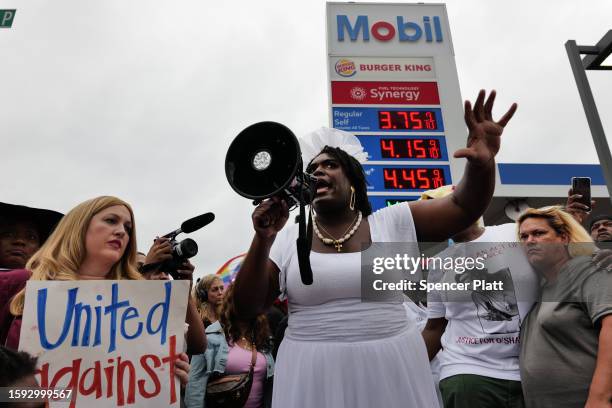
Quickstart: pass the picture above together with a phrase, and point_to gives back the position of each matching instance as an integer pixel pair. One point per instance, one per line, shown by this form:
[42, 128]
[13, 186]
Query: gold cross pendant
[338, 245]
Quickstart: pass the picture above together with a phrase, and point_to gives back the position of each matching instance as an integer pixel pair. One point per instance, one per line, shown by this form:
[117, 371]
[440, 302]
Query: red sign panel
[395, 93]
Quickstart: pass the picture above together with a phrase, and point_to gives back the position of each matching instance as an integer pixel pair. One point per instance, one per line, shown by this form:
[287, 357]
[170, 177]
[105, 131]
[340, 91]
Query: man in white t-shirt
[478, 328]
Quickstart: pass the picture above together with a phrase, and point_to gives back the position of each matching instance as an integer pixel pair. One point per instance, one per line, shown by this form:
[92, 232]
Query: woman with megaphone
[339, 351]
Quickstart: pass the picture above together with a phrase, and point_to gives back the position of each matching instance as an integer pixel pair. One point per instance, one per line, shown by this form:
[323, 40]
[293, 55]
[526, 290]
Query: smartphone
[582, 186]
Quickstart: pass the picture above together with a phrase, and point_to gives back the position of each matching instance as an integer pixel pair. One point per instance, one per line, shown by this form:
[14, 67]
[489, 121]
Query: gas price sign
[398, 178]
[390, 120]
[404, 148]
[393, 83]
[410, 148]
[407, 120]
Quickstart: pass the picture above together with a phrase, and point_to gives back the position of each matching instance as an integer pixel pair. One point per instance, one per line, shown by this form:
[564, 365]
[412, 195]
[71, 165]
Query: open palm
[485, 134]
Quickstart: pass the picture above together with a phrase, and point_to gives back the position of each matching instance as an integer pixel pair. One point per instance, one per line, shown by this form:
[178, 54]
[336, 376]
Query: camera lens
[187, 248]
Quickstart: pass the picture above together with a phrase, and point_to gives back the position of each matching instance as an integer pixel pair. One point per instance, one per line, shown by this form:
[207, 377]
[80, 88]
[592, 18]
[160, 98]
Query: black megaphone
[264, 161]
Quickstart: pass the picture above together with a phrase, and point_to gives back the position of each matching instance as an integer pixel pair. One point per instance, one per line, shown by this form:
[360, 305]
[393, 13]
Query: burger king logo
[345, 68]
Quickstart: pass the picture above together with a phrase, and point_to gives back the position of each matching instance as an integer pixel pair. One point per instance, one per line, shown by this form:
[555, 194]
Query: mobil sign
[400, 29]
[389, 30]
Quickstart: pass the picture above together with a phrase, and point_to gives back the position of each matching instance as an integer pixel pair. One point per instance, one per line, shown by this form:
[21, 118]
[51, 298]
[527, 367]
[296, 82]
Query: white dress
[339, 351]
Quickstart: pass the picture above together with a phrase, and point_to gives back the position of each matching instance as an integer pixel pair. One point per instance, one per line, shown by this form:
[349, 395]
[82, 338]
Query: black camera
[181, 251]
[185, 249]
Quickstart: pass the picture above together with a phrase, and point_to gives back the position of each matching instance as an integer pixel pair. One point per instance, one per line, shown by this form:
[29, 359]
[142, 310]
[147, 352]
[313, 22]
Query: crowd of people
[269, 340]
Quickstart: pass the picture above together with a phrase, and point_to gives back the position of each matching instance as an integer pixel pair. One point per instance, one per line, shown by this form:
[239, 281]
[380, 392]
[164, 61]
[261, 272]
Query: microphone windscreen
[198, 222]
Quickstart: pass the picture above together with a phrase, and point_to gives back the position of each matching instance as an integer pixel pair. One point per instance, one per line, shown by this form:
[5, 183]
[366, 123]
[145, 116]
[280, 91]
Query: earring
[352, 200]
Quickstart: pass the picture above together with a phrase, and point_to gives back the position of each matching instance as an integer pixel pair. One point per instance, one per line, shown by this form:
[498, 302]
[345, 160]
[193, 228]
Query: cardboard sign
[114, 343]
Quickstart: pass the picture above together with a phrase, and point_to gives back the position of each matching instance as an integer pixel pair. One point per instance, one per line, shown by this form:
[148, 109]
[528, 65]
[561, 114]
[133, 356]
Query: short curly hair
[15, 365]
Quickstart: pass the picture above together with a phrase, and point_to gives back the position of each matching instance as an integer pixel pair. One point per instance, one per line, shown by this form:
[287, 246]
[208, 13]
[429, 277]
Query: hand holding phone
[582, 186]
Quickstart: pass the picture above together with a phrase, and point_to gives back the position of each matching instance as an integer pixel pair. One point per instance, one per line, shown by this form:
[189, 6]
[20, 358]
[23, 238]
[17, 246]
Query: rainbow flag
[228, 271]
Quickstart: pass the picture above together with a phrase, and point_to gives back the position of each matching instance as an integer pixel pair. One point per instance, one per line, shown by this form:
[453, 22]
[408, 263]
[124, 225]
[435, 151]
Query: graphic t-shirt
[482, 335]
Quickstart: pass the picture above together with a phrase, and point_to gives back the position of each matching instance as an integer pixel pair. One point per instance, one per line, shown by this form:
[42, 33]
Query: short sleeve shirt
[560, 337]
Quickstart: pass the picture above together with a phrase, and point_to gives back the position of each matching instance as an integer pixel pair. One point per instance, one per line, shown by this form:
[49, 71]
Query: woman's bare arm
[257, 285]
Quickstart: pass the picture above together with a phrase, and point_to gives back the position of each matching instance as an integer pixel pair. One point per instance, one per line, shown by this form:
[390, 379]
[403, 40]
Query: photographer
[154, 269]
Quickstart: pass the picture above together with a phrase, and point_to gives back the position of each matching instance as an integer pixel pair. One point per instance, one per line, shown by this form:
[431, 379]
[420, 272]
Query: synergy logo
[345, 68]
[389, 93]
[358, 93]
[385, 31]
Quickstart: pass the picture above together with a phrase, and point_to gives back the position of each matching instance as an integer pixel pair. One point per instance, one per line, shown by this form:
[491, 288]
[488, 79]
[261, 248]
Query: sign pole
[590, 109]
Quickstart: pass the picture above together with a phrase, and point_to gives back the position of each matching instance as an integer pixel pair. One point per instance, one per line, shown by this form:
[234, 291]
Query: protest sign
[114, 343]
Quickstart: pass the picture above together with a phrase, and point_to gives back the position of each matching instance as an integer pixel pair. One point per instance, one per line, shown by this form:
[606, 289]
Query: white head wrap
[312, 144]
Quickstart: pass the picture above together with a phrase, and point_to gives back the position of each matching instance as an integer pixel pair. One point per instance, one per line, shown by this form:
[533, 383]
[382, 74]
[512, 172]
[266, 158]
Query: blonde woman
[95, 240]
[566, 340]
[208, 295]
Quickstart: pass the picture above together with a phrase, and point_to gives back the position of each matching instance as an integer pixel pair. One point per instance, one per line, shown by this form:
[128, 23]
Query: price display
[411, 178]
[369, 119]
[407, 120]
[404, 148]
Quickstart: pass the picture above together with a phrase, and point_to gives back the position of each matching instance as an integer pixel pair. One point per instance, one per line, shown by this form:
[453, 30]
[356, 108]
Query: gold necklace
[346, 236]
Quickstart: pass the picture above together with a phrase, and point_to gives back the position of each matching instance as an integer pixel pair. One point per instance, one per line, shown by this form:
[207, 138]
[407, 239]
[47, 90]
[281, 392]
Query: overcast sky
[140, 99]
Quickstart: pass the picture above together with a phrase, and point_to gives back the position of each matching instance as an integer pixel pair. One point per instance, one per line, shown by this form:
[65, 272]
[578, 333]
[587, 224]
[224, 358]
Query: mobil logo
[405, 30]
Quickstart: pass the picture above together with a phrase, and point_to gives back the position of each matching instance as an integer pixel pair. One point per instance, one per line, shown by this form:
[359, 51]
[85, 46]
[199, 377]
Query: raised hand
[485, 134]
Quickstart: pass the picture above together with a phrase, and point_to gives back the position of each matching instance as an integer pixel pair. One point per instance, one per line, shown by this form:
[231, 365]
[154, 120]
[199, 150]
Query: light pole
[595, 55]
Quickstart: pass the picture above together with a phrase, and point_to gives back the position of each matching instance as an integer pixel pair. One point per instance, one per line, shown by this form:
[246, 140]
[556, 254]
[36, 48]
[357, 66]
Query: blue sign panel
[388, 119]
[398, 178]
[413, 148]
[549, 174]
